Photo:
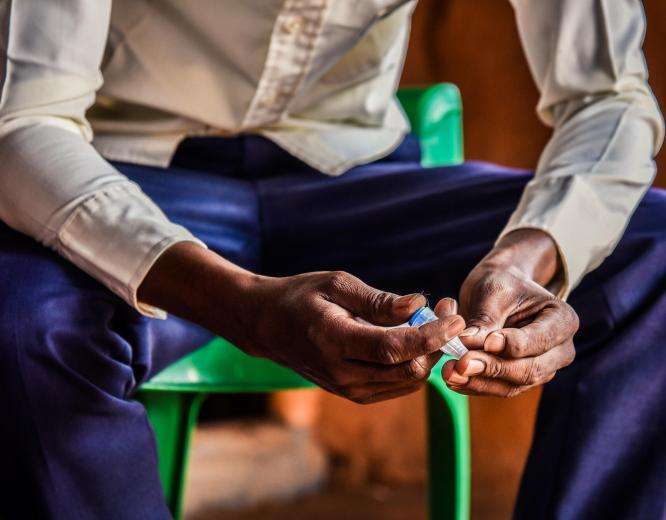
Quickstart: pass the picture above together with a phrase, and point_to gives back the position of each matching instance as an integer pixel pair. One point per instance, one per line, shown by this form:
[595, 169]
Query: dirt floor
[375, 502]
[247, 470]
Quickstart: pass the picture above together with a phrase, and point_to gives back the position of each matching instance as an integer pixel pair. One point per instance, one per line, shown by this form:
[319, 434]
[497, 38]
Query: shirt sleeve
[54, 186]
[586, 58]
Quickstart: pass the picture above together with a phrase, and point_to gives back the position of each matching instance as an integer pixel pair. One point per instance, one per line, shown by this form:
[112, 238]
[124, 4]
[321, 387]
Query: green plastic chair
[173, 397]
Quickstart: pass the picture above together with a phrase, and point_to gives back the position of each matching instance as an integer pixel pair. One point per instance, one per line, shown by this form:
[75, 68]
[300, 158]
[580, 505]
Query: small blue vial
[424, 315]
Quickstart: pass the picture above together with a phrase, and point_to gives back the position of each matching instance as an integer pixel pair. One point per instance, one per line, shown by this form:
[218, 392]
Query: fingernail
[449, 306]
[475, 367]
[469, 331]
[405, 302]
[494, 342]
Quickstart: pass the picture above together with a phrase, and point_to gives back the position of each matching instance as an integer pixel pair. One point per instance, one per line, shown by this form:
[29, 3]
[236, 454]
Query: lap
[393, 223]
[396, 225]
[57, 320]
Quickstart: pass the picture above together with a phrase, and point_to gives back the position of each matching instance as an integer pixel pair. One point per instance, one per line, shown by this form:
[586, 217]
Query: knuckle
[493, 368]
[338, 281]
[531, 374]
[570, 317]
[546, 339]
[389, 350]
[519, 344]
[570, 355]
[431, 344]
[448, 323]
[379, 301]
[416, 370]
[575, 320]
[492, 283]
[313, 332]
[477, 385]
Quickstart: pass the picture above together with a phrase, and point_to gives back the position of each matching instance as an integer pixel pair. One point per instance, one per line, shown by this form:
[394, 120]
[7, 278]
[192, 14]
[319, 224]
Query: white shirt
[317, 77]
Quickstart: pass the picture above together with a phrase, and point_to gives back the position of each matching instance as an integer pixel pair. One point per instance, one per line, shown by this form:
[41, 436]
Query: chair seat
[221, 367]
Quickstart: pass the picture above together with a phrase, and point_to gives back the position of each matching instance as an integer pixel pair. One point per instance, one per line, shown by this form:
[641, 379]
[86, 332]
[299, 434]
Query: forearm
[591, 177]
[56, 188]
[201, 286]
[607, 127]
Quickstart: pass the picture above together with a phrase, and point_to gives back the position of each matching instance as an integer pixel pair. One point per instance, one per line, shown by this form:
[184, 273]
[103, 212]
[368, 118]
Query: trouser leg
[599, 449]
[75, 446]
[71, 354]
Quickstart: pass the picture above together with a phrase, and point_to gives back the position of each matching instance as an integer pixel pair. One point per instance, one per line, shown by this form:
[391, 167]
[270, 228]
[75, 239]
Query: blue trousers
[75, 444]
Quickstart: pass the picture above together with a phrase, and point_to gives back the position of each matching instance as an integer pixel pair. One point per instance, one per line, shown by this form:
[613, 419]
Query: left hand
[519, 334]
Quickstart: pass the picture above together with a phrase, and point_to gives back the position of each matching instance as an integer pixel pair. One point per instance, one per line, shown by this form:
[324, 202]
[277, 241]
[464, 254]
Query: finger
[354, 373]
[484, 315]
[364, 342]
[446, 307]
[555, 324]
[451, 376]
[482, 386]
[371, 395]
[524, 371]
[373, 305]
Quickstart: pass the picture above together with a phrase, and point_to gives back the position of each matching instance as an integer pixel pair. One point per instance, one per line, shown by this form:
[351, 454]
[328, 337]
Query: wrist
[531, 251]
[199, 285]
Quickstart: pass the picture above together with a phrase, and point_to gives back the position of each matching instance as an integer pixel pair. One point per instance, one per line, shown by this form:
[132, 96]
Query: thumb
[373, 305]
[483, 316]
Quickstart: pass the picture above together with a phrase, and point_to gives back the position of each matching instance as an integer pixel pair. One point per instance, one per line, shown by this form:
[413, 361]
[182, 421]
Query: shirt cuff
[116, 235]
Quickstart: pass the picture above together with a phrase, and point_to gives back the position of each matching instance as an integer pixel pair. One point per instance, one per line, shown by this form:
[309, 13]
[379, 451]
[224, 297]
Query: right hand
[307, 322]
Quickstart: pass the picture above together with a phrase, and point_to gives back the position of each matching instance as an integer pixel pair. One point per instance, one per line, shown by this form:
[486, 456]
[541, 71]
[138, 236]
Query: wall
[475, 45]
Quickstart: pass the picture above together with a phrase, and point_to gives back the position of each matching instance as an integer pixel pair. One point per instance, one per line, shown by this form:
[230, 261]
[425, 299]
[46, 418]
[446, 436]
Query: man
[258, 157]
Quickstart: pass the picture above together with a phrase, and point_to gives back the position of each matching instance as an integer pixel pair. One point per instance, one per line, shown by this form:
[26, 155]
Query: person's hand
[308, 323]
[519, 334]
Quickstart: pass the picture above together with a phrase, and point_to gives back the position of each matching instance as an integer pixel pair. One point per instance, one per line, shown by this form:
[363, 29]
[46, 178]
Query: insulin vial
[424, 315]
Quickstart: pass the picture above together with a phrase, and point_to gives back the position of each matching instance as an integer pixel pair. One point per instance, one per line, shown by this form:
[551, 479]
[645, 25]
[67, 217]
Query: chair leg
[449, 491]
[173, 417]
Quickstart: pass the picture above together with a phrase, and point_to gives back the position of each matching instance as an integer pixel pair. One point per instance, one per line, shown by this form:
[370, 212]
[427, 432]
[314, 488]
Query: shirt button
[292, 25]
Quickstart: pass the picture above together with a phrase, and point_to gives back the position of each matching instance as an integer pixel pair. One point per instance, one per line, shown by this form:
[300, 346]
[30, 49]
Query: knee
[55, 336]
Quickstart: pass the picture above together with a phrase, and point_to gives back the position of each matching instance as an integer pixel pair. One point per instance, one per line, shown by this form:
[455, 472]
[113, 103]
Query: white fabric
[315, 76]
